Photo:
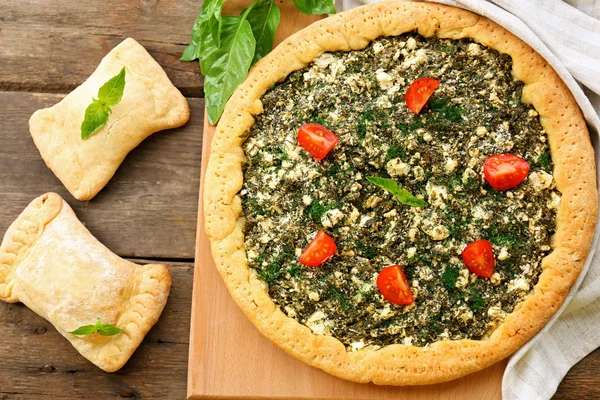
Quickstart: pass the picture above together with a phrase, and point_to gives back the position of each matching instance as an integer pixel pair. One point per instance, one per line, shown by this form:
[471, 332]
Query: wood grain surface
[147, 211]
[53, 46]
[38, 363]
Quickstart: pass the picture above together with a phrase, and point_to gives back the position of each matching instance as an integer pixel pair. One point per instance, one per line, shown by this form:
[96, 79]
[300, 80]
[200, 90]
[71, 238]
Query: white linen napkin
[570, 41]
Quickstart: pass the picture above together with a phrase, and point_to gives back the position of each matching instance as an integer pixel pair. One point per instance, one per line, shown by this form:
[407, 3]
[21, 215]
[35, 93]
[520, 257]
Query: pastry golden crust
[50, 262]
[150, 103]
[574, 174]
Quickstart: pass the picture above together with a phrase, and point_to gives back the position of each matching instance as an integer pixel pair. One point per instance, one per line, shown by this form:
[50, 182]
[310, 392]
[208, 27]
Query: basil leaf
[193, 49]
[215, 25]
[402, 195]
[226, 66]
[405, 197]
[212, 10]
[315, 6]
[228, 46]
[96, 114]
[95, 118]
[112, 91]
[208, 23]
[264, 19]
[103, 329]
[388, 184]
[109, 330]
[84, 330]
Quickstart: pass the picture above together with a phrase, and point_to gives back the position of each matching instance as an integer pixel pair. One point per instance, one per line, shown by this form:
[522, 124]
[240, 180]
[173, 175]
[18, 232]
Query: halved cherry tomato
[479, 258]
[419, 92]
[505, 171]
[393, 285]
[317, 140]
[319, 250]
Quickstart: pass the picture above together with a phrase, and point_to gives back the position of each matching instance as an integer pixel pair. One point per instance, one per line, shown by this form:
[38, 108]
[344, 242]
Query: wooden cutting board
[230, 359]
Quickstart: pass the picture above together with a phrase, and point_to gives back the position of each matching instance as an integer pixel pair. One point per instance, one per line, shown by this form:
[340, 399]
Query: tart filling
[437, 155]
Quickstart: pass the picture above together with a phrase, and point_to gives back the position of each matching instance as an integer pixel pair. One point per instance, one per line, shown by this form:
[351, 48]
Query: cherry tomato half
[505, 171]
[479, 258]
[319, 250]
[419, 92]
[317, 140]
[393, 285]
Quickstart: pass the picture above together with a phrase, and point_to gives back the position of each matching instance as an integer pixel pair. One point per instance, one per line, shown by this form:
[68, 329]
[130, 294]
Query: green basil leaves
[96, 114]
[227, 46]
[402, 195]
[315, 6]
[103, 329]
[227, 65]
[264, 20]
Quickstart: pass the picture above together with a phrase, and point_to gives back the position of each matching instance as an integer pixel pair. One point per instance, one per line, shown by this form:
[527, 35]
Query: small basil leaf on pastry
[97, 113]
[51, 263]
[127, 108]
[95, 118]
[395, 188]
[109, 330]
[103, 329]
[85, 330]
[112, 91]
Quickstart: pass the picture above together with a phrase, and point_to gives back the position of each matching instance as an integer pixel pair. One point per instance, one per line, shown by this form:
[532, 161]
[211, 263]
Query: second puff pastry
[50, 262]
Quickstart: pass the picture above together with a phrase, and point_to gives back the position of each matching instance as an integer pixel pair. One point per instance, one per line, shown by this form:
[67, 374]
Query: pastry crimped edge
[145, 303]
[397, 364]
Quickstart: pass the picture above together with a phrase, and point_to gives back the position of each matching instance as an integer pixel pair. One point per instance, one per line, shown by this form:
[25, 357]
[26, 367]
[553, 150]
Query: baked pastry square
[50, 262]
[150, 103]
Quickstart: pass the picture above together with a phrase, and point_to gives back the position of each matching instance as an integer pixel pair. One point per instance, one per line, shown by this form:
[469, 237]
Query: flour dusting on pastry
[50, 262]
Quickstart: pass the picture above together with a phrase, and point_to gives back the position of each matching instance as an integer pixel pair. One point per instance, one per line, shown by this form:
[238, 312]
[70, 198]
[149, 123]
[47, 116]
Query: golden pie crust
[574, 174]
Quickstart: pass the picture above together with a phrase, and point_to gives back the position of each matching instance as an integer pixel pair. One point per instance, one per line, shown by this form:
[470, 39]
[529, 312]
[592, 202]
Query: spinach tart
[401, 194]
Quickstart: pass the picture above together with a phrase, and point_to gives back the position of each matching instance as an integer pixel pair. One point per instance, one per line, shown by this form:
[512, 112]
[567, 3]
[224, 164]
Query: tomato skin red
[479, 258]
[419, 92]
[393, 285]
[317, 140]
[505, 171]
[319, 250]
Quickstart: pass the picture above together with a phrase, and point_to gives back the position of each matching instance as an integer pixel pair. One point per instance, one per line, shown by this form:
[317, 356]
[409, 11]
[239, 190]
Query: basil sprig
[227, 46]
[96, 114]
[103, 329]
[403, 195]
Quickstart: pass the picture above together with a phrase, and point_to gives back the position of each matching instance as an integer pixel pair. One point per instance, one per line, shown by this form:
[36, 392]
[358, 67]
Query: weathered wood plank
[38, 363]
[582, 380]
[53, 46]
[148, 209]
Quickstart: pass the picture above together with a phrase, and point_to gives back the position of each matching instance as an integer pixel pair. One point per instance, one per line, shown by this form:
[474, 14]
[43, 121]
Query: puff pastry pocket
[50, 262]
[150, 103]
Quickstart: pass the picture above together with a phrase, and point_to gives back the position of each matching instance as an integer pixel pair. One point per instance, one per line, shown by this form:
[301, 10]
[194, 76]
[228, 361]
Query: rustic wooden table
[147, 211]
